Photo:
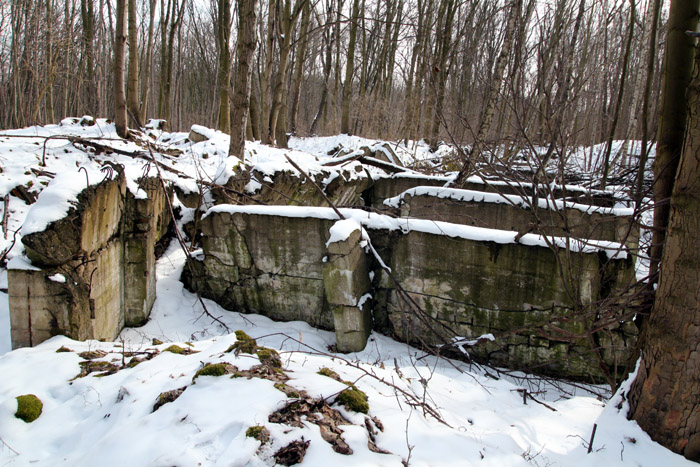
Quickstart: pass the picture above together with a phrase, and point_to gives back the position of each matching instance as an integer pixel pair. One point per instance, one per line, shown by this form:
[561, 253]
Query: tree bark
[677, 72]
[223, 34]
[651, 60]
[119, 62]
[146, 88]
[133, 84]
[664, 396]
[349, 71]
[299, 65]
[245, 50]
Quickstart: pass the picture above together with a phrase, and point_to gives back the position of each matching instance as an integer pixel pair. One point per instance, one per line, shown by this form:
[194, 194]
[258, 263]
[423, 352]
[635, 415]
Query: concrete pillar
[347, 286]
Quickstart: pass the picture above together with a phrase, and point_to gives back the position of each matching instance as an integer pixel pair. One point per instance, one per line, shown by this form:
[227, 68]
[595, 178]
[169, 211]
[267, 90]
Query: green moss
[177, 349]
[63, 349]
[214, 369]
[157, 341]
[328, 372]
[354, 399]
[244, 344]
[135, 361]
[242, 336]
[258, 432]
[287, 390]
[269, 357]
[29, 407]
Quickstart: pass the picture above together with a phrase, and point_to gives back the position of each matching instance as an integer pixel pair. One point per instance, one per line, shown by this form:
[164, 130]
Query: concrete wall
[92, 271]
[475, 208]
[270, 265]
[534, 301]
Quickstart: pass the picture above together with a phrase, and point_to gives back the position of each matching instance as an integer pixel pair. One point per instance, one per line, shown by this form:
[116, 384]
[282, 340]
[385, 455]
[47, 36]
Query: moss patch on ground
[244, 344]
[269, 357]
[353, 399]
[29, 407]
[215, 369]
[258, 432]
[176, 349]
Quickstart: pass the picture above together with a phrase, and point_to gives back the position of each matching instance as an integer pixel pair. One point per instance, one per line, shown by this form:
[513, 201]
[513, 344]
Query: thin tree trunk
[245, 51]
[146, 88]
[223, 34]
[133, 86]
[299, 66]
[651, 60]
[349, 70]
[119, 63]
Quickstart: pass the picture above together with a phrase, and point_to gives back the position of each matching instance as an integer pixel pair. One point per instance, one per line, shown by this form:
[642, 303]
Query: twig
[590, 443]
[8, 446]
[5, 214]
[411, 399]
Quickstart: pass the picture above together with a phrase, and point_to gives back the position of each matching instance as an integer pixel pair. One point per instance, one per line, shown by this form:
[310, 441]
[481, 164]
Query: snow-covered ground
[433, 412]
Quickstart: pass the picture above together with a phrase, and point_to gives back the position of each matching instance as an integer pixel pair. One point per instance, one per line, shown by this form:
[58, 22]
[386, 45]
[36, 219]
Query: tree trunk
[245, 50]
[349, 70]
[146, 87]
[299, 65]
[223, 34]
[133, 85]
[321, 114]
[651, 60]
[677, 72]
[278, 115]
[119, 62]
[664, 396]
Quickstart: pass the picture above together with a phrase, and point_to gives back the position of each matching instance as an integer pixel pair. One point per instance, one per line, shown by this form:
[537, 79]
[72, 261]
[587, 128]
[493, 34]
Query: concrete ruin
[283, 263]
[93, 271]
[464, 271]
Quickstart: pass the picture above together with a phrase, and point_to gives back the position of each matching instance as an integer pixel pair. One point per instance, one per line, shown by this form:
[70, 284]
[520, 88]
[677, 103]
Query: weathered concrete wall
[527, 296]
[264, 260]
[146, 221]
[270, 265]
[509, 212]
[97, 267]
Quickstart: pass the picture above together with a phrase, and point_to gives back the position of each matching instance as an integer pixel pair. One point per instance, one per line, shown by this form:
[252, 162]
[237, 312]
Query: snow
[60, 278]
[109, 420]
[341, 230]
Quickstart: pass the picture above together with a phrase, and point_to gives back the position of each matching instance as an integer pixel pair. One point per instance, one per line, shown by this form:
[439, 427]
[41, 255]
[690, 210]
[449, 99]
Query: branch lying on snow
[411, 399]
[528, 395]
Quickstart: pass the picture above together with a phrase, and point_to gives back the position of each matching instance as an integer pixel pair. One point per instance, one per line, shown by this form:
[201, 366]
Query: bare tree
[119, 65]
[245, 50]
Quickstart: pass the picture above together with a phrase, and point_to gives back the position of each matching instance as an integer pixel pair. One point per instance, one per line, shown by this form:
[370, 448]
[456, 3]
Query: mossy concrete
[538, 303]
[264, 264]
[346, 281]
[145, 222]
[104, 249]
[534, 300]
